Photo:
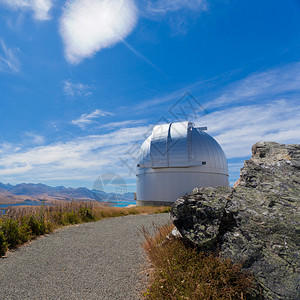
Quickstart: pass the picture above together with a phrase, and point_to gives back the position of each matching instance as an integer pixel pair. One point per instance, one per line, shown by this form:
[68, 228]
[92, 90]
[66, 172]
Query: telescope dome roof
[182, 145]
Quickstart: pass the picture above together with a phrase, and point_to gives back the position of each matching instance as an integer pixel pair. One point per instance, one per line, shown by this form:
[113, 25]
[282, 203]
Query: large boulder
[256, 223]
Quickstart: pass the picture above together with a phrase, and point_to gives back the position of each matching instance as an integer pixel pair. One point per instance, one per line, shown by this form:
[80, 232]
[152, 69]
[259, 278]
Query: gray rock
[257, 223]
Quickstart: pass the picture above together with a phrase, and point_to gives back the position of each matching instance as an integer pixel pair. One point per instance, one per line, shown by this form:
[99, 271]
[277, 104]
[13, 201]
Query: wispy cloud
[76, 89]
[174, 96]
[8, 148]
[122, 124]
[82, 158]
[40, 8]
[9, 61]
[87, 26]
[238, 128]
[256, 87]
[266, 84]
[144, 58]
[35, 138]
[180, 15]
[165, 6]
[87, 119]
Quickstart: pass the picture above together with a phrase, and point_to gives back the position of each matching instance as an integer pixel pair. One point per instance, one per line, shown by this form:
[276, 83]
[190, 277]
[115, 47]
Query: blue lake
[122, 203]
[26, 202]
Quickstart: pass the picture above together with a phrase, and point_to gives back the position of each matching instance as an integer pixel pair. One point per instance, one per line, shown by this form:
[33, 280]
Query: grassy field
[22, 224]
[180, 272]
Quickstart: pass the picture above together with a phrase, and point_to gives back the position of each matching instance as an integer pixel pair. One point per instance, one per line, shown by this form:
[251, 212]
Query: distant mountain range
[11, 193]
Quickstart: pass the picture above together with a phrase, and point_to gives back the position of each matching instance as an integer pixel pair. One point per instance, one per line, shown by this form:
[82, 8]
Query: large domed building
[176, 158]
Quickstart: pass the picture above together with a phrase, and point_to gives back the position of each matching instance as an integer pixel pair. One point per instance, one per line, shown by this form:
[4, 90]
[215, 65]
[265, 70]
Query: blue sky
[83, 81]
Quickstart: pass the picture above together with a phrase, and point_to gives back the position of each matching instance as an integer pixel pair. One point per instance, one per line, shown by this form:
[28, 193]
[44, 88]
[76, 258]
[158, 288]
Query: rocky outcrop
[257, 222]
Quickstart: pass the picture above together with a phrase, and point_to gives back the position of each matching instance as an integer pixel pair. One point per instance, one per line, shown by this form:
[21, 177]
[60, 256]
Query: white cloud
[35, 138]
[113, 125]
[281, 80]
[180, 15]
[82, 158]
[40, 8]
[238, 128]
[8, 148]
[76, 89]
[143, 57]
[86, 119]
[87, 26]
[9, 61]
[165, 6]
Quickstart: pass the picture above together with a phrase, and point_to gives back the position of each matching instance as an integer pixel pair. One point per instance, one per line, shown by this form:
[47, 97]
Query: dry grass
[21, 224]
[179, 272]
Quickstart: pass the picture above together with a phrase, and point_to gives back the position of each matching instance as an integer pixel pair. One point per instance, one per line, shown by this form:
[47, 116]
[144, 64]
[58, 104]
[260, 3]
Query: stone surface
[256, 223]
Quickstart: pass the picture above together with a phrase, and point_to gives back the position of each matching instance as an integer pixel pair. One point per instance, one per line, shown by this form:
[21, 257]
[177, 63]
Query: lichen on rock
[256, 223]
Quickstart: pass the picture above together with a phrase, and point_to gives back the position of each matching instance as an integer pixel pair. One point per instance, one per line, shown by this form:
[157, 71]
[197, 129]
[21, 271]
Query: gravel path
[99, 260]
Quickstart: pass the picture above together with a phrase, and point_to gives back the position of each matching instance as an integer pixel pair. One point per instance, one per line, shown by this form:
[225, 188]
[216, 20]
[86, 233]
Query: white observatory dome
[176, 158]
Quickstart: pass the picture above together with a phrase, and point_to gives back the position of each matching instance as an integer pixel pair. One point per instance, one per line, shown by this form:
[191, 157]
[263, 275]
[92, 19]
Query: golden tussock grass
[181, 272]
